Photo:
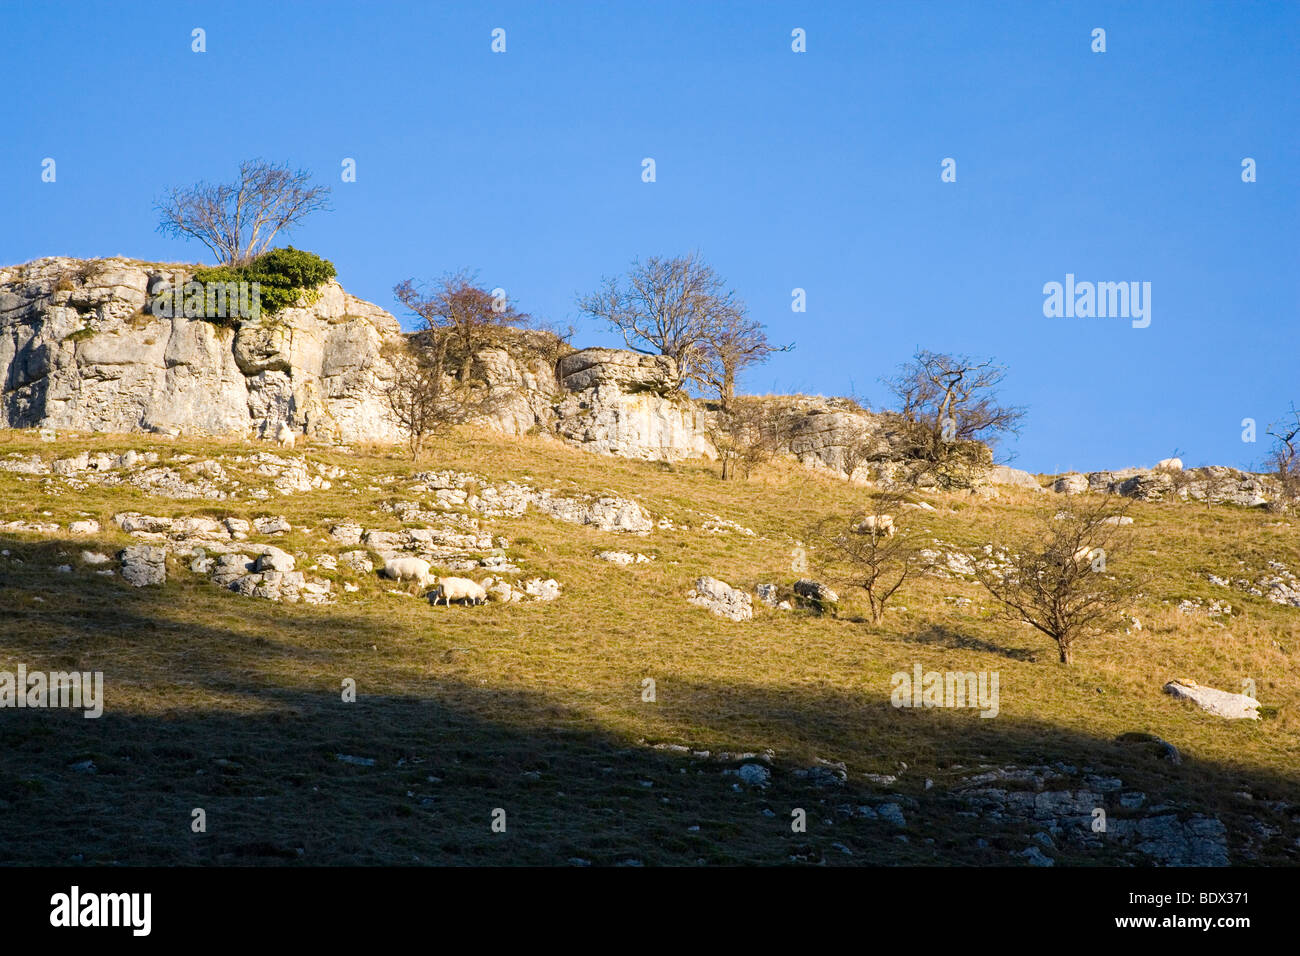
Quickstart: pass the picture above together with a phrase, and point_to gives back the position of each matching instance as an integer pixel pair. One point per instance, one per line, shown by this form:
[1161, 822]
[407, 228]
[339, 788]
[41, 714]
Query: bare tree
[746, 434]
[667, 307]
[861, 448]
[1061, 584]
[873, 548]
[238, 221]
[1284, 458]
[419, 394]
[949, 411]
[732, 343]
[465, 311]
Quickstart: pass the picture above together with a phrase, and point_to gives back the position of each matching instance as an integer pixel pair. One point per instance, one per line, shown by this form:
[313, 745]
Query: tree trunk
[1067, 654]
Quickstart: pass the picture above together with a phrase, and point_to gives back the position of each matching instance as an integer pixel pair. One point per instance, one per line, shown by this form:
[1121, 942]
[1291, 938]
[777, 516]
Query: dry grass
[537, 708]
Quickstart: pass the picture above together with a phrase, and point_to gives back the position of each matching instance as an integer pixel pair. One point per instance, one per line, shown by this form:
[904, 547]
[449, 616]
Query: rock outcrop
[1216, 484]
[625, 403]
[81, 349]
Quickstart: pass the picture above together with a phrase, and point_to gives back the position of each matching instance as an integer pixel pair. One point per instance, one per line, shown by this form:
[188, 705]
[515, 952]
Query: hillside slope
[231, 702]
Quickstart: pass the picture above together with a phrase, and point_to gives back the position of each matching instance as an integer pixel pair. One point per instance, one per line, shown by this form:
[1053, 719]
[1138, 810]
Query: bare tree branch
[238, 221]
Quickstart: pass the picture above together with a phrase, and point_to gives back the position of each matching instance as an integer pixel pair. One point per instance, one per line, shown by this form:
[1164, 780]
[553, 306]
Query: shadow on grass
[940, 635]
[438, 758]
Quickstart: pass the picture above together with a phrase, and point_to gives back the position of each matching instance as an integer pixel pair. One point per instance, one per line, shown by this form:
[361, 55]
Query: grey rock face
[80, 349]
[358, 561]
[623, 370]
[1216, 484]
[623, 403]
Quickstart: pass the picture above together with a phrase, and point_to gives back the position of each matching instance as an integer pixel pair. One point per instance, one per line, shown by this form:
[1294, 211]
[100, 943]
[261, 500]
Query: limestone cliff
[80, 350]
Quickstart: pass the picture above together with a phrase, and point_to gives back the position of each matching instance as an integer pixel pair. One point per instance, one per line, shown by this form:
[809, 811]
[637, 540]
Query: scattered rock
[358, 561]
[271, 525]
[721, 599]
[540, 590]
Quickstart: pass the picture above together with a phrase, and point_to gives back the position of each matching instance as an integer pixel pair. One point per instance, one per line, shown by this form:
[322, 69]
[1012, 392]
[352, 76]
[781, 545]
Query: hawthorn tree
[1284, 458]
[873, 548]
[419, 394]
[745, 434]
[1061, 582]
[732, 343]
[238, 221]
[949, 409]
[457, 307]
[667, 306]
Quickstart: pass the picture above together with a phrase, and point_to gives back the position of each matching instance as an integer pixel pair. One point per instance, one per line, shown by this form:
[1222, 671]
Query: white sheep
[1084, 555]
[284, 436]
[876, 524]
[458, 589]
[408, 569]
[1169, 464]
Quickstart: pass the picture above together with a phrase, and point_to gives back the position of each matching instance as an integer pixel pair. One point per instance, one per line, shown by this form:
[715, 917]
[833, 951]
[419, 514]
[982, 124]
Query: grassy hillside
[232, 704]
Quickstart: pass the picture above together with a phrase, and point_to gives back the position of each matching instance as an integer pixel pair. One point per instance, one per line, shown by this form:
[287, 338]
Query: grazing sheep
[1169, 464]
[284, 436]
[408, 569]
[458, 589]
[1084, 555]
[876, 524]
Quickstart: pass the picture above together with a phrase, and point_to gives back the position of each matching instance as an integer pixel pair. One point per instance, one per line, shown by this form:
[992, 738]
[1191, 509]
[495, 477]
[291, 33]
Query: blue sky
[818, 170]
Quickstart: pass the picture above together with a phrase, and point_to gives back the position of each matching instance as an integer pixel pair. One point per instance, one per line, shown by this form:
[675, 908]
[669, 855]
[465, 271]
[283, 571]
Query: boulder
[1003, 475]
[143, 565]
[347, 532]
[1072, 484]
[272, 525]
[540, 590]
[816, 592]
[230, 568]
[1221, 703]
[273, 559]
[721, 599]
